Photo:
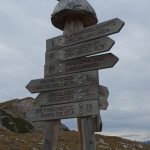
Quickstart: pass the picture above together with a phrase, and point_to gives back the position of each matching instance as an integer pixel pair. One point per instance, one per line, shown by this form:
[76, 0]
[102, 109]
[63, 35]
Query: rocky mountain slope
[13, 116]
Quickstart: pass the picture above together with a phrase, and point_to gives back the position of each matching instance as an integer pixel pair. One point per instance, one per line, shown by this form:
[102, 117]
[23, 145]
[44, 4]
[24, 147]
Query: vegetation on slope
[15, 124]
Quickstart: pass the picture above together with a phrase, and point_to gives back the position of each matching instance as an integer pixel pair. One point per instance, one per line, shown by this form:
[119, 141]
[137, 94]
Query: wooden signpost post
[70, 87]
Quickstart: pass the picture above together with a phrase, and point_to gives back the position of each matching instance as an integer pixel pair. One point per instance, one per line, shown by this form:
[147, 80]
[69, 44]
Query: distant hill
[13, 116]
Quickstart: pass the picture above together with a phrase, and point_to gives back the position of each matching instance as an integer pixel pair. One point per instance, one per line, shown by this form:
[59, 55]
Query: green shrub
[3, 113]
[22, 125]
[6, 122]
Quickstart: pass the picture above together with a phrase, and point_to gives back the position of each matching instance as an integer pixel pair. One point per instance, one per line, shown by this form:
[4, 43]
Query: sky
[24, 28]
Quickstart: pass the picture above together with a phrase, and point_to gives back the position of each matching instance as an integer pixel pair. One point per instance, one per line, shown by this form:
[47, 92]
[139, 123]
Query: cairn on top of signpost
[79, 8]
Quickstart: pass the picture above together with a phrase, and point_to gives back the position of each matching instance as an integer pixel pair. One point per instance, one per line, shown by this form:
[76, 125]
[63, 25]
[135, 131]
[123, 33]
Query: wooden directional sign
[62, 82]
[83, 93]
[81, 64]
[89, 33]
[79, 50]
[62, 111]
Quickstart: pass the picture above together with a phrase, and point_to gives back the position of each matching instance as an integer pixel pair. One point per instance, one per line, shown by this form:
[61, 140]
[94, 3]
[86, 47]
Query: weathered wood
[51, 134]
[87, 125]
[64, 111]
[97, 123]
[63, 82]
[86, 34]
[70, 95]
[80, 133]
[74, 25]
[81, 64]
[79, 8]
[70, 25]
[79, 50]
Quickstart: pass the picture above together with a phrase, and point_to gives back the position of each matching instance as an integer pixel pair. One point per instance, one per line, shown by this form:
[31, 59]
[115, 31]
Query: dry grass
[67, 141]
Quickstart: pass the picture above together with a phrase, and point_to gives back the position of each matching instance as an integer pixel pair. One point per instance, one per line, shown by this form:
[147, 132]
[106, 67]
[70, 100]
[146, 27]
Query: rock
[67, 8]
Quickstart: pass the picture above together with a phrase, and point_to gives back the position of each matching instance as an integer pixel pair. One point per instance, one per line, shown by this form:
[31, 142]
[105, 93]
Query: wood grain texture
[62, 20]
[71, 95]
[63, 81]
[87, 125]
[64, 111]
[79, 50]
[81, 64]
[89, 33]
[51, 134]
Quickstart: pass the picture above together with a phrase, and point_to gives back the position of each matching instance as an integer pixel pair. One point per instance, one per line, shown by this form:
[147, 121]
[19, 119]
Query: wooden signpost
[81, 64]
[70, 87]
[89, 33]
[79, 50]
[63, 81]
[78, 94]
[63, 111]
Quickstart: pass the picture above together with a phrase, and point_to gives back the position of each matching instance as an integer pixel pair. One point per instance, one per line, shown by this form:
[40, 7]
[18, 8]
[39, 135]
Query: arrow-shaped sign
[89, 33]
[79, 50]
[63, 82]
[78, 94]
[81, 65]
[62, 111]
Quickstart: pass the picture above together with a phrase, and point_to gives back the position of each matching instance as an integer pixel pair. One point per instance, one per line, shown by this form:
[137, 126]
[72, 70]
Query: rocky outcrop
[13, 116]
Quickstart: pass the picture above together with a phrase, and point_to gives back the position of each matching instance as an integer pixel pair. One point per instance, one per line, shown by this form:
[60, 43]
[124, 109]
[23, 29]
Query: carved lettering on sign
[82, 64]
[80, 50]
[89, 33]
[70, 110]
[83, 93]
[62, 82]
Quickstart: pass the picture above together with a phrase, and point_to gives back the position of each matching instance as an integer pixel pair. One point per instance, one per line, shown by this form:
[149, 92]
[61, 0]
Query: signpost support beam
[51, 134]
[86, 124]
[74, 24]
